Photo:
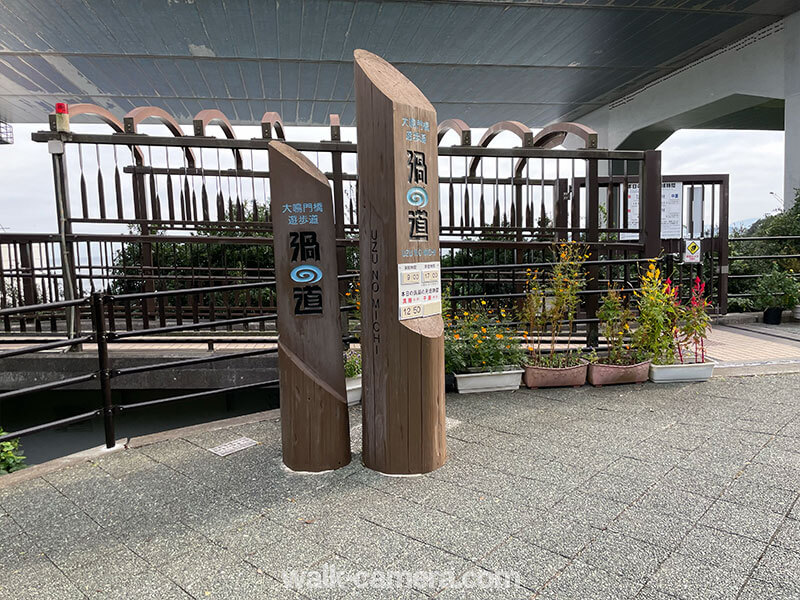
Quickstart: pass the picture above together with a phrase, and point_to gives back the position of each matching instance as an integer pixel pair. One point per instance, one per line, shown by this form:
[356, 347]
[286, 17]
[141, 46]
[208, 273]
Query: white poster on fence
[671, 211]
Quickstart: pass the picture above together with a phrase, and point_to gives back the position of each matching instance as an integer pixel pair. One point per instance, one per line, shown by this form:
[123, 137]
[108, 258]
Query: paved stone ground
[653, 492]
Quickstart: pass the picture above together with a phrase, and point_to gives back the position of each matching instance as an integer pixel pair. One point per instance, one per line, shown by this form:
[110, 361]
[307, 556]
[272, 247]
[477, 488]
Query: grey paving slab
[756, 589]
[761, 496]
[580, 580]
[624, 556]
[559, 535]
[665, 530]
[789, 535]
[534, 565]
[211, 571]
[742, 520]
[781, 567]
[722, 549]
[686, 577]
[676, 491]
[671, 500]
[8, 527]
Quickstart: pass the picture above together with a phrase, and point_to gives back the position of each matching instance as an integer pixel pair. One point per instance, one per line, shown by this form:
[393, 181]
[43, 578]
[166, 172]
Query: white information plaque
[671, 211]
[419, 290]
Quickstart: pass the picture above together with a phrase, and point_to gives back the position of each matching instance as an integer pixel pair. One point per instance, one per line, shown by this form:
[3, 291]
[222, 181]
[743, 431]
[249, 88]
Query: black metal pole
[104, 368]
[61, 188]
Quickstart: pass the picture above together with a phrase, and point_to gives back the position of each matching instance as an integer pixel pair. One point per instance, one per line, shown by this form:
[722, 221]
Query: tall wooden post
[402, 331]
[314, 417]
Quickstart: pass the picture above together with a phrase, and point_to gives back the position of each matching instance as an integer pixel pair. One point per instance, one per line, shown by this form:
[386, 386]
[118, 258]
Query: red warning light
[62, 108]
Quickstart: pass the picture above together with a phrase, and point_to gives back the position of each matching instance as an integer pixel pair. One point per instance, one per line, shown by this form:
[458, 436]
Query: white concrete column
[791, 166]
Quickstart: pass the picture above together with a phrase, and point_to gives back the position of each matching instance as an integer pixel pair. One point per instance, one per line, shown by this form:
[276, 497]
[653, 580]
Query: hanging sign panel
[671, 211]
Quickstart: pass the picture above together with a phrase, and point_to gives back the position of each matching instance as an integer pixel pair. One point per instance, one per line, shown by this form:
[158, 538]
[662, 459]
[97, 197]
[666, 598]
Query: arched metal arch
[270, 121]
[519, 129]
[555, 134]
[212, 116]
[457, 125]
[93, 110]
[132, 120]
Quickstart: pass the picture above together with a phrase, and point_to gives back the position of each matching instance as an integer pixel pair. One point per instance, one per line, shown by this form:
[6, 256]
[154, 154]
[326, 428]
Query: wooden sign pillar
[402, 340]
[314, 417]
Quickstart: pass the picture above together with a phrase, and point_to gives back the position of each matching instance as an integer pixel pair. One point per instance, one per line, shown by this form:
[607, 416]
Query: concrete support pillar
[791, 168]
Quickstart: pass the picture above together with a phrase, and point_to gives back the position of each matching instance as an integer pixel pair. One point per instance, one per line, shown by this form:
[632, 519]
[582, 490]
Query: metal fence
[103, 333]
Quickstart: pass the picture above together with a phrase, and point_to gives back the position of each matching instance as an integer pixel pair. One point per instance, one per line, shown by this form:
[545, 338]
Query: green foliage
[352, 363]
[615, 318]
[695, 324]
[477, 340]
[776, 289]
[555, 304]
[10, 459]
[782, 224]
[186, 264]
[659, 312]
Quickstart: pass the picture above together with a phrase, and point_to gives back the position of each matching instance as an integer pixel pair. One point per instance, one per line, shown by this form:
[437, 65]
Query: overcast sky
[754, 160]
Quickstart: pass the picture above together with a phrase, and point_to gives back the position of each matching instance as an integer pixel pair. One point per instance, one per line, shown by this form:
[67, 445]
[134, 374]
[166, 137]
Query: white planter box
[796, 313]
[353, 386]
[499, 381]
[681, 372]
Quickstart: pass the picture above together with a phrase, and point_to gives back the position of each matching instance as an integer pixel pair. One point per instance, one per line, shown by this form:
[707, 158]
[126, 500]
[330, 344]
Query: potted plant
[482, 352]
[546, 310]
[775, 292]
[623, 363]
[352, 376]
[666, 329]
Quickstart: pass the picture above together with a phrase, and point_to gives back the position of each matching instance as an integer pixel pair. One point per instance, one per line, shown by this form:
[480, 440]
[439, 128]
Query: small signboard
[419, 290]
[671, 211]
[691, 252]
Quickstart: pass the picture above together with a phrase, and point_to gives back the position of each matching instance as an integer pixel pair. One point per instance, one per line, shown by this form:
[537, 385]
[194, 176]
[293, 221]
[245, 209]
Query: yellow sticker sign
[691, 253]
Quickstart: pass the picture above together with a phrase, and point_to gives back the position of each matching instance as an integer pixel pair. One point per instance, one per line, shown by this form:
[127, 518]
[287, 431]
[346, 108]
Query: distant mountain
[743, 224]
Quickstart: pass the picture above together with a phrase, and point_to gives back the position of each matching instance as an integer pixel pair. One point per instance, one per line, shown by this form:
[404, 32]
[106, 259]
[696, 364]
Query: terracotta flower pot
[543, 377]
[600, 374]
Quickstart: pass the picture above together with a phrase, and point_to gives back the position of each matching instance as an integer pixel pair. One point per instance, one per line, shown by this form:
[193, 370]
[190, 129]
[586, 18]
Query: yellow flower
[456, 336]
[483, 329]
[483, 302]
[499, 336]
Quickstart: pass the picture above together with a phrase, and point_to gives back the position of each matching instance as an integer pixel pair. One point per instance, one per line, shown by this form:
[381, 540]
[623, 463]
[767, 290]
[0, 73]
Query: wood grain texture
[403, 379]
[314, 417]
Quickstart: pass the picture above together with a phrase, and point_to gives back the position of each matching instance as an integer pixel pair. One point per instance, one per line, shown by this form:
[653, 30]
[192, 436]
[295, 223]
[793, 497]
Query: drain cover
[233, 446]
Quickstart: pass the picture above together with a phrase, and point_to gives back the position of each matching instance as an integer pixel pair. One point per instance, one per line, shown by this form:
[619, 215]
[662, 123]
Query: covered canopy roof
[536, 61]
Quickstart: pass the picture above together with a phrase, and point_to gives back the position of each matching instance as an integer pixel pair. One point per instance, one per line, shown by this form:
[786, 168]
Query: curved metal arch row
[519, 129]
[272, 120]
[104, 115]
[142, 113]
[554, 135]
[460, 127]
[213, 116]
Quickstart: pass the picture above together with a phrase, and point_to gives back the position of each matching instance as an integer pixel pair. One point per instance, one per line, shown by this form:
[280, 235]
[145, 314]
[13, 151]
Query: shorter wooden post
[314, 417]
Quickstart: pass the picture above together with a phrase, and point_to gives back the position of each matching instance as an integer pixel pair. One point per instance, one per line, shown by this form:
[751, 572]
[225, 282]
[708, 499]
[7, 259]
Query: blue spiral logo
[418, 197]
[306, 274]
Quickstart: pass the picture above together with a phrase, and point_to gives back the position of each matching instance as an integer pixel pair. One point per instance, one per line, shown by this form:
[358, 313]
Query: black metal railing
[103, 335]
